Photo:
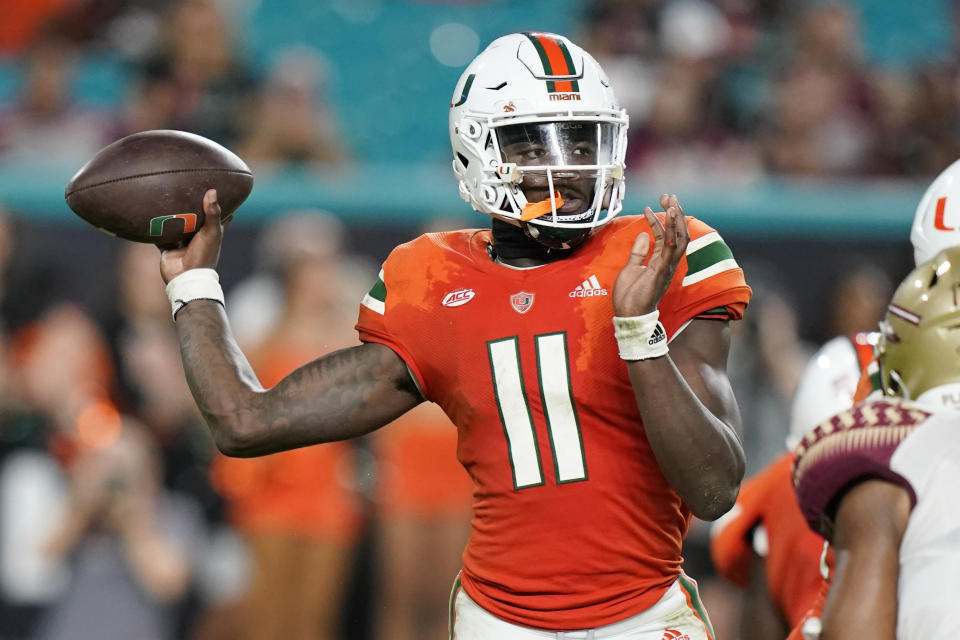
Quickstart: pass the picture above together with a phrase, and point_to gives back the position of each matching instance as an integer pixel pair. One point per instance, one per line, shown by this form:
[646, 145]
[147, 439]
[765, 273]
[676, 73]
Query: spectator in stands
[292, 124]
[64, 369]
[196, 81]
[899, 147]
[668, 62]
[43, 122]
[130, 545]
[23, 19]
[857, 299]
[822, 122]
[299, 510]
[151, 380]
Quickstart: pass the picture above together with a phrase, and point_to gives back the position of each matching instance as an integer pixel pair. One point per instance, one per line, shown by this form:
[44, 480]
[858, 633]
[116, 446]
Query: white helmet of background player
[540, 92]
[826, 387]
[936, 224]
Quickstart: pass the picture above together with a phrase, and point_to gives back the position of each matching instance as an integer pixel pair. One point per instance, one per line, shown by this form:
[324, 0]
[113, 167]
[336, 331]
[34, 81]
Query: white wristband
[640, 337]
[193, 284]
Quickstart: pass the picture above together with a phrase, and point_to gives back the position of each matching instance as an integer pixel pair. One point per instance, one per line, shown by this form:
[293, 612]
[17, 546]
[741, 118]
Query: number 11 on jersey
[553, 376]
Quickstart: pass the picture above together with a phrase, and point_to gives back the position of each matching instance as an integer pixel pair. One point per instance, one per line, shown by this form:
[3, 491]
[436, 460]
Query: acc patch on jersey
[458, 297]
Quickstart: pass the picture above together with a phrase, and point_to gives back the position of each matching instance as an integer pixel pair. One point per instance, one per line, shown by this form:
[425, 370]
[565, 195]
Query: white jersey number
[556, 394]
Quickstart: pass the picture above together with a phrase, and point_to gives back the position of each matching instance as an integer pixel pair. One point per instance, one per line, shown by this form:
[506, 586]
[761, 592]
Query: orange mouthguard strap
[534, 210]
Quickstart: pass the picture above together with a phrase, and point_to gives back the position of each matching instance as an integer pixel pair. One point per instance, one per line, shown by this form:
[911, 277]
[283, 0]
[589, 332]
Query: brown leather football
[149, 186]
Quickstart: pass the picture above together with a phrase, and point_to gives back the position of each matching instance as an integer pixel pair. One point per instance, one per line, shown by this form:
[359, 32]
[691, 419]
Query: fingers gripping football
[203, 250]
[652, 263]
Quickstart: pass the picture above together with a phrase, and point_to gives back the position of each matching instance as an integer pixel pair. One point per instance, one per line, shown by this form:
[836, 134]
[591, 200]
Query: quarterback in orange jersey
[581, 357]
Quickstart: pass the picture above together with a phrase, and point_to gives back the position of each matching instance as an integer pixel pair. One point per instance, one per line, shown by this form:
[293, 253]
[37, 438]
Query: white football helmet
[827, 386]
[539, 138]
[936, 224]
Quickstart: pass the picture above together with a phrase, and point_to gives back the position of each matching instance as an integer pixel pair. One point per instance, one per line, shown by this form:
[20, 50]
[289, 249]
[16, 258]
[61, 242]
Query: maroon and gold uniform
[574, 524]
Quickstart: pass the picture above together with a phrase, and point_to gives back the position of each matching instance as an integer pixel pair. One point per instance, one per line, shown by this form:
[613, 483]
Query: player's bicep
[700, 353]
[344, 394]
[870, 522]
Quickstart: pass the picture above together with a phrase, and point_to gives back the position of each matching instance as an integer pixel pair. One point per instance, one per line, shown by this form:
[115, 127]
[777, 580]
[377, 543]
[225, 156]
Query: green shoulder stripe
[376, 298]
[708, 255]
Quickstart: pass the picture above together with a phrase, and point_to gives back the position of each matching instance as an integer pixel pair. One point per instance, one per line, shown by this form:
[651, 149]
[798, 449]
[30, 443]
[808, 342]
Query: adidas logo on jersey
[588, 288]
[659, 335]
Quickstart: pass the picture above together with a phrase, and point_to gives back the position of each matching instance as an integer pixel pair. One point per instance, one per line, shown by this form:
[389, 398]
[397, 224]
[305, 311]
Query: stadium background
[880, 78]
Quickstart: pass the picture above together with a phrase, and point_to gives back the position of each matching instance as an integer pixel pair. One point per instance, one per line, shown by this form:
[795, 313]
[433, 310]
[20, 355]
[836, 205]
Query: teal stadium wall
[391, 94]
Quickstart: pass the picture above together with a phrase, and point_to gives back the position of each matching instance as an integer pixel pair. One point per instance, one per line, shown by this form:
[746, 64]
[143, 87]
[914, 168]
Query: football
[149, 186]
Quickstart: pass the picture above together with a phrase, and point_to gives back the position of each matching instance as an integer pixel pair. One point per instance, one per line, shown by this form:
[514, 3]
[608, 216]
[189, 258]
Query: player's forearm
[221, 379]
[341, 395]
[699, 454]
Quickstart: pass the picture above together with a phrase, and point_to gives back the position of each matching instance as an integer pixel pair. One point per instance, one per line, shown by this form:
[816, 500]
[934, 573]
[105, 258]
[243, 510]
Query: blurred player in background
[298, 511]
[590, 441]
[421, 499]
[879, 480]
[760, 544]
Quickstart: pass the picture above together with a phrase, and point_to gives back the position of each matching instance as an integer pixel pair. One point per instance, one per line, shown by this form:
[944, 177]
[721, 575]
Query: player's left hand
[640, 286]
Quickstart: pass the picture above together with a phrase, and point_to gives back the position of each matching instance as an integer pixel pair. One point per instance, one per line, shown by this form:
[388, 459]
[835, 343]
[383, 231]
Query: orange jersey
[793, 555]
[574, 525]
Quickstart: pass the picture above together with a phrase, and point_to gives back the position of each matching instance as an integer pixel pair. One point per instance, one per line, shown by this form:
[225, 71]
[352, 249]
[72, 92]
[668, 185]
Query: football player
[879, 480]
[580, 355]
[760, 544]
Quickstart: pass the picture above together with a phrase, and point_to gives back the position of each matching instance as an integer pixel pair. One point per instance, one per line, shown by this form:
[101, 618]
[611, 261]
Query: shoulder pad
[852, 445]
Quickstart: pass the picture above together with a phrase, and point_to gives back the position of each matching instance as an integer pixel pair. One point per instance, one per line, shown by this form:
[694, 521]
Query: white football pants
[678, 615]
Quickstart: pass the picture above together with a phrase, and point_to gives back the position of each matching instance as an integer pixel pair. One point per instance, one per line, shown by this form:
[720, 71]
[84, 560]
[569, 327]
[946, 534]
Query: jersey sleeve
[708, 282]
[381, 317]
[853, 445]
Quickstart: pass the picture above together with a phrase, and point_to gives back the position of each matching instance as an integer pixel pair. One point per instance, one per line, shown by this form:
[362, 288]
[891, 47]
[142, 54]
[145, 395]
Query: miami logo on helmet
[558, 66]
[189, 223]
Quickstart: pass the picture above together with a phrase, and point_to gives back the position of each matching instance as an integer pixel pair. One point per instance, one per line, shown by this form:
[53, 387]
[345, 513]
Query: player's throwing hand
[642, 283]
[203, 251]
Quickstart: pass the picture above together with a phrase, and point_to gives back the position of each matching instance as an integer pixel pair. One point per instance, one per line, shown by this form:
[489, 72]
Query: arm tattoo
[341, 395]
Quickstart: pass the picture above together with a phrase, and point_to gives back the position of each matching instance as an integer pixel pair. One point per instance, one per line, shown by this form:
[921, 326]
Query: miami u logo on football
[189, 223]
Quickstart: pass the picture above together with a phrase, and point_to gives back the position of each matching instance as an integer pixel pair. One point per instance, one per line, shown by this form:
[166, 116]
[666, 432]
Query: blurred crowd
[117, 517]
[731, 89]
[187, 73]
[717, 90]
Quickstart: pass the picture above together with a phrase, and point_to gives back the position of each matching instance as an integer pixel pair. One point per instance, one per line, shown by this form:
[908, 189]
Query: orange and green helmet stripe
[556, 60]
